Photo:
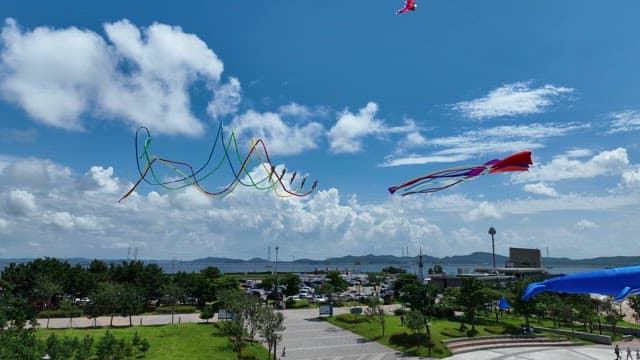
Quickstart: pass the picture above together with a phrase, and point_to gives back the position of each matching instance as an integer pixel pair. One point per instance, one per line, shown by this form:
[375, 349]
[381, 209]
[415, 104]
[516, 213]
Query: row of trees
[475, 298]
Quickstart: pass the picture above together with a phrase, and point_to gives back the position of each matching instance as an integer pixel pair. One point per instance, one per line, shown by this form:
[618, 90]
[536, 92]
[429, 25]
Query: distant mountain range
[476, 258]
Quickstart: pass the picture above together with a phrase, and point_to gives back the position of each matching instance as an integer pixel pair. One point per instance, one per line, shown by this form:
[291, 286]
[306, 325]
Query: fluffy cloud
[280, 137]
[511, 100]
[540, 189]
[21, 202]
[347, 134]
[226, 99]
[612, 162]
[137, 75]
[483, 211]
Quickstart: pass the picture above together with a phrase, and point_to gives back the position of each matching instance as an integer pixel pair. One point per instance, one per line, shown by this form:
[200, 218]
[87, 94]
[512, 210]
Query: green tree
[271, 330]
[130, 302]
[472, 299]
[335, 280]
[206, 313]
[292, 284]
[173, 294]
[375, 312]
[416, 321]
[44, 289]
[523, 307]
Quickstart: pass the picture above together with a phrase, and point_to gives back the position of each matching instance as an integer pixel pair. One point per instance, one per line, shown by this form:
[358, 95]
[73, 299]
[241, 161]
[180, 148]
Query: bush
[292, 304]
[180, 309]
[472, 332]
[453, 333]
[399, 311]
[351, 318]
[60, 313]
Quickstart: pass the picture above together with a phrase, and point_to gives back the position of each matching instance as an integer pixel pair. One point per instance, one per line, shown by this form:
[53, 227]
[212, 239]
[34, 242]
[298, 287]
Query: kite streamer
[446, 178]
[188, 176]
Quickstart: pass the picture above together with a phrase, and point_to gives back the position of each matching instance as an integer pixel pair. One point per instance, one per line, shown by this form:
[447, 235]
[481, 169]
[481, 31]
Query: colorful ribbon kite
[446, 178]
[187, 176]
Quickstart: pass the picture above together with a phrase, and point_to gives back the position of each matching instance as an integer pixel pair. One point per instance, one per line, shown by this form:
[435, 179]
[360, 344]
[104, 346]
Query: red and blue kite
[443, 179]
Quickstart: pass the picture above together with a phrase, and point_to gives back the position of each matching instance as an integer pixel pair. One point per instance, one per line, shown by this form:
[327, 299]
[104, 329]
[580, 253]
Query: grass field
[402, 339]
[183, 341]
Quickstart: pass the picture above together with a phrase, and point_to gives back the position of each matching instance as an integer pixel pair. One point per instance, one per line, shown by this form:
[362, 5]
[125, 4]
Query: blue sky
[346, 92]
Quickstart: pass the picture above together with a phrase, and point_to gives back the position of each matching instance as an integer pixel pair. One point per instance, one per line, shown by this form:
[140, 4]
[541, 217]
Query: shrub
[399, 311]
[351, 318]
[180, 309]
[59, 313]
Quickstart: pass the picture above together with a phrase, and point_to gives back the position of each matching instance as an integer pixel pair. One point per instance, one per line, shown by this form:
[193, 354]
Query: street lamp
[492, 232]
[275, 270]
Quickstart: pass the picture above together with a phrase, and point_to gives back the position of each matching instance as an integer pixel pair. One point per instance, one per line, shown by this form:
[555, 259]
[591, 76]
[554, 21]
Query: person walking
[629, 355]
[617, 352]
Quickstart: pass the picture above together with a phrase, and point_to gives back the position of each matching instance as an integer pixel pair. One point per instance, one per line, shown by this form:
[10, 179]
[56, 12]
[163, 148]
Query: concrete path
[543, 353]
[307, 338]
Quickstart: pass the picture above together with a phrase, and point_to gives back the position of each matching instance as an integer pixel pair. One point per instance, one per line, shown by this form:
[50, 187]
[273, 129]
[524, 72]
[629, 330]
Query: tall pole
[275, 270]
[492, 232]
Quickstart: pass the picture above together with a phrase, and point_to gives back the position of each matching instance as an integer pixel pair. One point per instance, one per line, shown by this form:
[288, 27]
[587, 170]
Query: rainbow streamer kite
[187, 176]
[446, 178]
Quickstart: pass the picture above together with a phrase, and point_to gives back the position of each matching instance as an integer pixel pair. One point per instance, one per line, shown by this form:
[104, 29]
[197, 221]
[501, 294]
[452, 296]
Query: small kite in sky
[237, 166]
[409, 5]
[617, 282]
[446, 178]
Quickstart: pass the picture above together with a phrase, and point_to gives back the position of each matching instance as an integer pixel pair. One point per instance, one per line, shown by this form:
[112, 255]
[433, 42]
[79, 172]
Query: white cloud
[21, 202]
[100, 179]
[584, 224]
[512, 100]
[280, 137]
[498, 140]
[226, 100]
[347, 134]
[483, 211]
[137, 75]
[624, 121]
[612, 162]
[576, 153]
[34, 173]
[540, 189]
[631, 178]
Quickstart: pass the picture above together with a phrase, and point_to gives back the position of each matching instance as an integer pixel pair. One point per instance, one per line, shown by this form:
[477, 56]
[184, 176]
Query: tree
[206, 313]
[172, 295]
[292, 284]
[271, 330]
[522, 307]
[44, 288]
[402, 280]
[422, 298]
[416, 321]
[335, 280]
[130, 302]
[437, 269]
[471, 299]
[375, 312]
[105, 300]
[233, 301]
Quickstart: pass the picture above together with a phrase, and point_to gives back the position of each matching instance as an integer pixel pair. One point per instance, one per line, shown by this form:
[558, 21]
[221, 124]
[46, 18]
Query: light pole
[275, 270]
[492, 232]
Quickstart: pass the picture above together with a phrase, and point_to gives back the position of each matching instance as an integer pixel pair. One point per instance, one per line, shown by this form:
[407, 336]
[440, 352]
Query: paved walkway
[544, 353]
[307, 338]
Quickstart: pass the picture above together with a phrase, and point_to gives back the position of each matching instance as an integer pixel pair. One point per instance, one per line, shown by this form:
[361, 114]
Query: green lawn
[184, 341]
[402, 339]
